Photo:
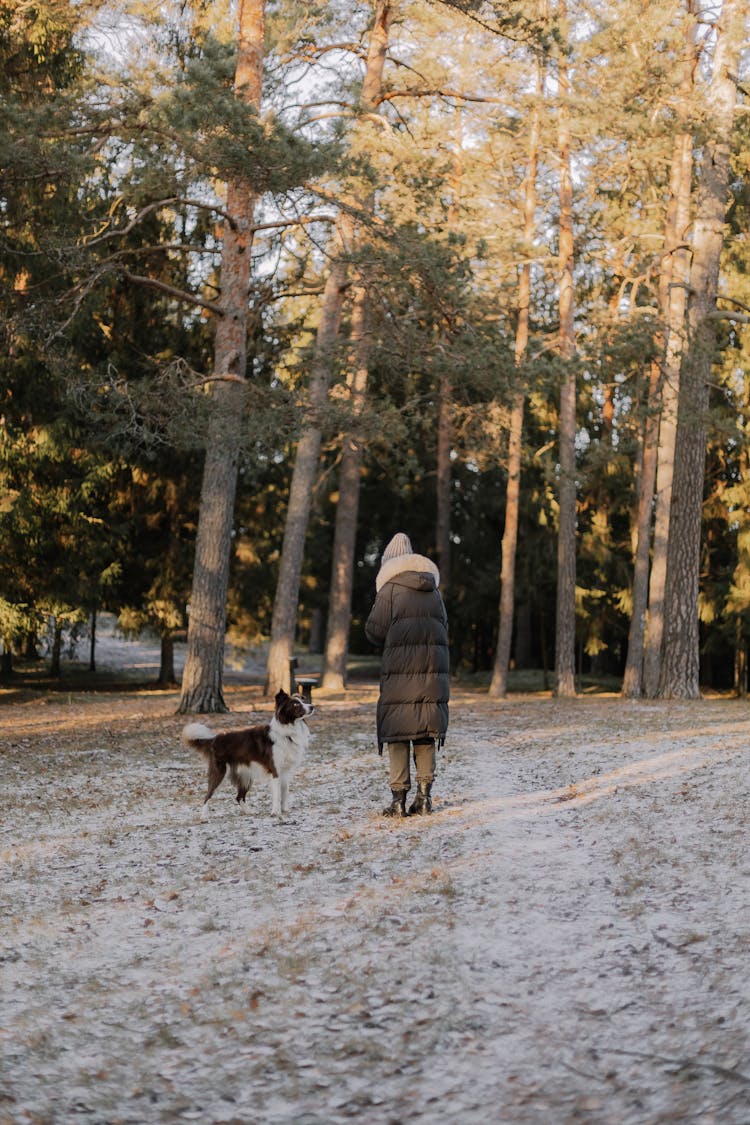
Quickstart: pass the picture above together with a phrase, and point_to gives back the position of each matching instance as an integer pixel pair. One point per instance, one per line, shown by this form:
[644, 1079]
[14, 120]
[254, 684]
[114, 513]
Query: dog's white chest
[290, 743]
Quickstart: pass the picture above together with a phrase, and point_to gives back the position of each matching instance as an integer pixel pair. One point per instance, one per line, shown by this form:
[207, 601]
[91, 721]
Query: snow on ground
[140, 657]
[565, 940]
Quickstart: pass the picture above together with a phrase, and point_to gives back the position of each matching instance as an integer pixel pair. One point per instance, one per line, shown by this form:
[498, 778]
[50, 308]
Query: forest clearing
[397, 333]
[563, 940]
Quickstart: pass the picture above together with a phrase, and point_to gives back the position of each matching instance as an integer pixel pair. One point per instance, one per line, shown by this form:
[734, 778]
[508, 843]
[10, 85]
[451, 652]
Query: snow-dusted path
[565, 940]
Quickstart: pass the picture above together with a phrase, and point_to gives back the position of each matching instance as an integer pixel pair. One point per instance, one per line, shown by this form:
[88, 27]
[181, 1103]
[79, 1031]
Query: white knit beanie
[399, 545]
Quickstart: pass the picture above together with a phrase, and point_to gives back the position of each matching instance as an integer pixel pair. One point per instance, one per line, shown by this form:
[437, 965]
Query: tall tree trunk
[345, 533]
[742, 562]
[739, 681]
[673, 292]
[499, 682]
[644, 653]
[443, 482]
[565, 631]
[286, 602]
[632, 682]
[347, 509]
[680, 668]
[445, 403]
[668, 399]
[202, 681]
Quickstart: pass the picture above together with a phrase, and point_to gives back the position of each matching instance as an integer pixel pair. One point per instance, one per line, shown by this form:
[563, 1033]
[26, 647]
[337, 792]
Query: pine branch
[157, 205]
[303, 220]
[734, 301]
[311, 52]
[170, 290]
[437, 92]
[504, 29]
[726, 314]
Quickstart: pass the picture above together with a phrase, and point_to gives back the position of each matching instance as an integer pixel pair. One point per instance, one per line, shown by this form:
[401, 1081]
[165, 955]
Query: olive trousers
[424, 760]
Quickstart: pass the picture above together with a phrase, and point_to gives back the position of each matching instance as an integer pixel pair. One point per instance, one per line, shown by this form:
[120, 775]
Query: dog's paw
[204, 813]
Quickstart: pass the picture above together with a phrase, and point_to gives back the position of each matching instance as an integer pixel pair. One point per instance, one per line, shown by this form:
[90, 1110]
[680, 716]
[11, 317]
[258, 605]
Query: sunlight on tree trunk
[680, 668]
[565, 634]
[286, 602]
[632, 682]
[202, 681]
[677, 272]
[644, 652]
[443, 483]
[669, 400]
[345, 533]
[737, 602]
[347, 510]
[499, 682]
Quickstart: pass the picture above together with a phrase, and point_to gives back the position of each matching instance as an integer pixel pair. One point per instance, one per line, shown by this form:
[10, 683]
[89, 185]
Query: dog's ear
[280, 695]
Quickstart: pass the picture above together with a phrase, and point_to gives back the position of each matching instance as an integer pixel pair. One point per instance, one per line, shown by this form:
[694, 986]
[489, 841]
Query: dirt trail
[564, 940]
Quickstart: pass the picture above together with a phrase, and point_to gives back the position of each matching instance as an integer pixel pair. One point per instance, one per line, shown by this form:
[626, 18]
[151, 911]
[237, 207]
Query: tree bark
[347, 509]
[739, 681]
[166, 663]
[674, 285]
[92, 642]
[499, 682]
[669, 400]
[202, 681]
[443, 482]
[566, 543]
[55, 662]
[679, 678]
[286, 601]
[742, 561]
[644, 652]
[632, 682]
[445, 403]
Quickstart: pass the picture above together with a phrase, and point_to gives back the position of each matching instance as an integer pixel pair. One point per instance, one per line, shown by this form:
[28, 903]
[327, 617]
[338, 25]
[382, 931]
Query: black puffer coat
[409, 620]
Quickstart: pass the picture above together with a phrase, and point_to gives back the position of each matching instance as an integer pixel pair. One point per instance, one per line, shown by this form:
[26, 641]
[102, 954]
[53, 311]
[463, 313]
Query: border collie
[266, 752]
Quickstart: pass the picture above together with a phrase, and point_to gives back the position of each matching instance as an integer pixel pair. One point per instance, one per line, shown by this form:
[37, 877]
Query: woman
[409, 621]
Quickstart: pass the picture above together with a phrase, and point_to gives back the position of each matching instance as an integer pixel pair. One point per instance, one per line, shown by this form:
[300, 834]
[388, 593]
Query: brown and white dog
[266, 752]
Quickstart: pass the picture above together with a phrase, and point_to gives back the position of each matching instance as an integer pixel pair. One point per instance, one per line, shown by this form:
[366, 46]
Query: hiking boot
[422, 803]
[397, 806]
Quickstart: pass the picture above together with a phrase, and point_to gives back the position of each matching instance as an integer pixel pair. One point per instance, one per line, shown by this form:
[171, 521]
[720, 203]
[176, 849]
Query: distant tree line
[280, 280]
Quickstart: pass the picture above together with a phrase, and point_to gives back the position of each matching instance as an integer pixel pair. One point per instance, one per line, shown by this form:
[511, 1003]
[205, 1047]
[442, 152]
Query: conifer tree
[286, 601]
[347, 509]
[202, 678]
[657, 459]
[680, 670]
[498, 684]
[566, 552]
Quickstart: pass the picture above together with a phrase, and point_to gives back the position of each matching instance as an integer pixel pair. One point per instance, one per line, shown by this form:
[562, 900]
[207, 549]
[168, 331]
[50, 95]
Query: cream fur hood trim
[400, 564]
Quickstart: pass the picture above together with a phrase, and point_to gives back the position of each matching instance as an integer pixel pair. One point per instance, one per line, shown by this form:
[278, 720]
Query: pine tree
[345, 531]
[566, 552]
[499, 682]
[680, 670]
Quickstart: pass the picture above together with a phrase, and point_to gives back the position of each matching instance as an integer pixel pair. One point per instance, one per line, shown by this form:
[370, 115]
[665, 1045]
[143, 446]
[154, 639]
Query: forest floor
[564, 940]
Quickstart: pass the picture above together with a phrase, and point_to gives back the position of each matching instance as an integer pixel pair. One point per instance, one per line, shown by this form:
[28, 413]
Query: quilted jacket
[409, 621]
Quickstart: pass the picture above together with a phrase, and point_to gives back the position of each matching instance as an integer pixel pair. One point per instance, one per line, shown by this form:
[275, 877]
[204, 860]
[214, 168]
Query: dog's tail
[197, 736]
